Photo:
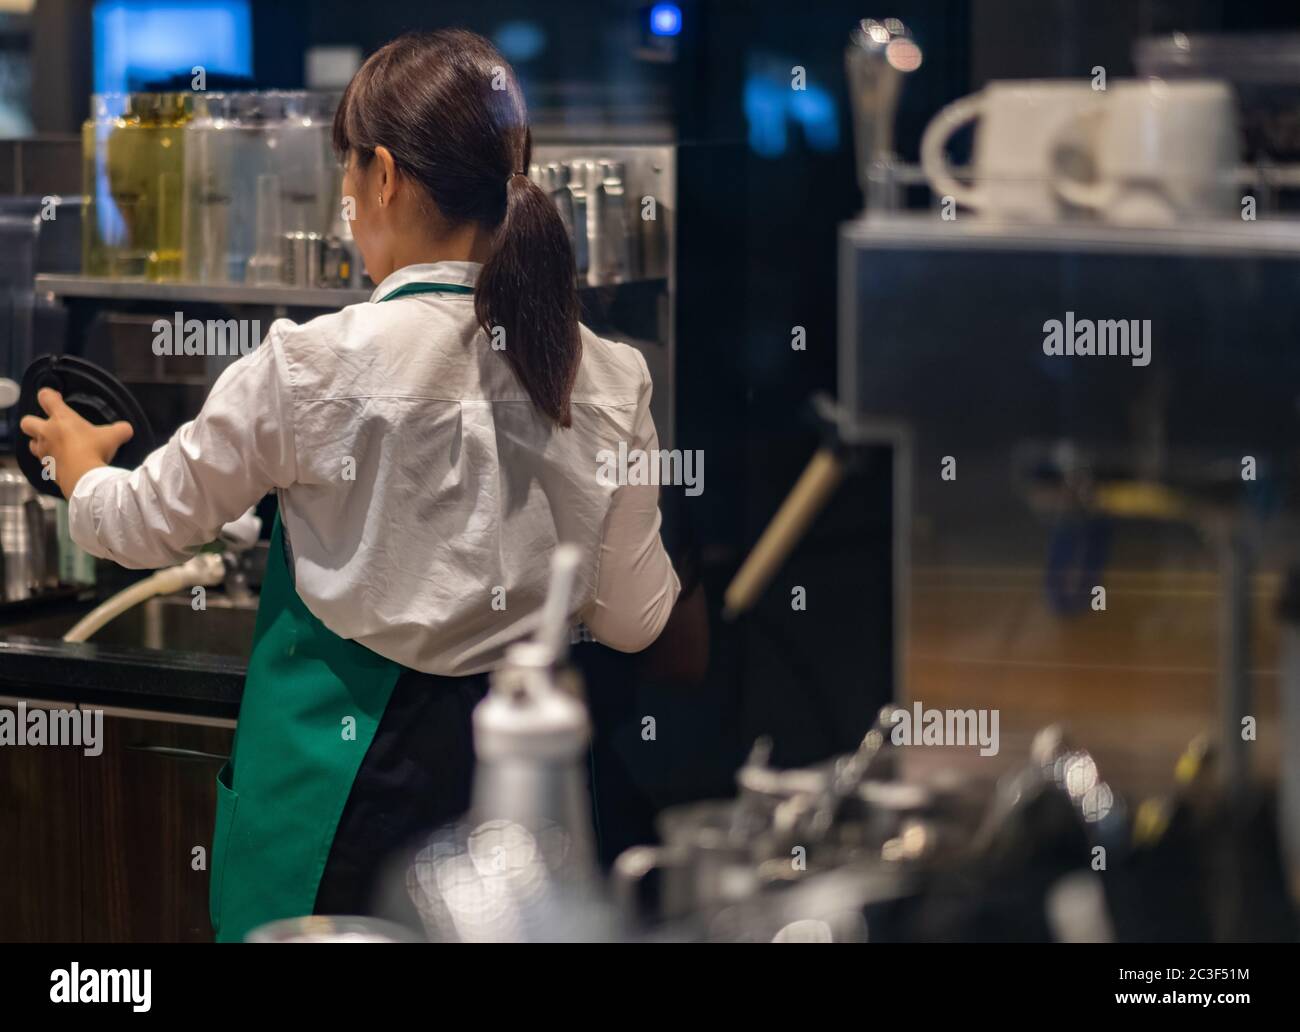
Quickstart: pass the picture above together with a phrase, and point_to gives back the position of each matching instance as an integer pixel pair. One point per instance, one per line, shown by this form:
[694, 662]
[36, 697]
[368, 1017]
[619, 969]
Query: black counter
[193, 684]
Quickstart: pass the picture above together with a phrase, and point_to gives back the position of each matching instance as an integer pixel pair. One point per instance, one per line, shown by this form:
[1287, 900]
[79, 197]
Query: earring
[381, 200]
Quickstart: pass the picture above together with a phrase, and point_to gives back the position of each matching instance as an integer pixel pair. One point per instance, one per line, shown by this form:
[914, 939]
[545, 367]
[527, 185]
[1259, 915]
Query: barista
[424, 476]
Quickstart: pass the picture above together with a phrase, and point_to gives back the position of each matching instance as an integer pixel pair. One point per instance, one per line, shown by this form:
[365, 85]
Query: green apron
[312, 701]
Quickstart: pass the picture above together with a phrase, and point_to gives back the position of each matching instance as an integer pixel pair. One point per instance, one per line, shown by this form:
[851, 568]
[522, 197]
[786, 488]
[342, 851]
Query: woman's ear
[385, 176]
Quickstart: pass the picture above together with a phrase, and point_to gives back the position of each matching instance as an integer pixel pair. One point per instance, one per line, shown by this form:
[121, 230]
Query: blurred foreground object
[878, 56]
[521, 866]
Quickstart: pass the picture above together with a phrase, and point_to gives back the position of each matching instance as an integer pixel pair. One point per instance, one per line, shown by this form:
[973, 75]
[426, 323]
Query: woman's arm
[636, 586]
[239, 447]
[73, 446]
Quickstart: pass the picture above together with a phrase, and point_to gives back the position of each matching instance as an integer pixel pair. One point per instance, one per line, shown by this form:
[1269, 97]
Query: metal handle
[808, 497]
[172, 752]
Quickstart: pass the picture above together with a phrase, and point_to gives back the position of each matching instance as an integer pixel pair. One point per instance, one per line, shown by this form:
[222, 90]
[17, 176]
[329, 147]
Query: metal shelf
[231, 293]
[211, 293]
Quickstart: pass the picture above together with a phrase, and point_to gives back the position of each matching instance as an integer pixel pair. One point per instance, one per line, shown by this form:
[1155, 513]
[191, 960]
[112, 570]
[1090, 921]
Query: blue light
[773, 109]
[765, 110]
[814, 109]
[520, 40]
[665, 19]
[144, 41]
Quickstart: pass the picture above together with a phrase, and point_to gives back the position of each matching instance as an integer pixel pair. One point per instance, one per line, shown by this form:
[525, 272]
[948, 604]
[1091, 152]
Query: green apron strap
[407, 289]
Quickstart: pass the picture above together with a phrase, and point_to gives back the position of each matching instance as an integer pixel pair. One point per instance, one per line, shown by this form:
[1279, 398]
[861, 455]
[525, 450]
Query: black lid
[94, 394]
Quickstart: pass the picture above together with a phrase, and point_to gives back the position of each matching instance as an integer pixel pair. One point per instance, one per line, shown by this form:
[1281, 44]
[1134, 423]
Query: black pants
[416, 776]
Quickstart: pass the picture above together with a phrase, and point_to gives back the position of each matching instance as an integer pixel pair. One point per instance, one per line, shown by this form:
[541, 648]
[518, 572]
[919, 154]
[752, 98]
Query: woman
[429, 449]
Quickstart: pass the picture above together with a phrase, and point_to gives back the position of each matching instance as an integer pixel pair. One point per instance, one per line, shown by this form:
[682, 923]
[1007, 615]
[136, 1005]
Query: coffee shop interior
[967, 327]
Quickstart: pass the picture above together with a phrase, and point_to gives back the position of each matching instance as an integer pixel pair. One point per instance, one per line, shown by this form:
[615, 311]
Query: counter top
[133, 678]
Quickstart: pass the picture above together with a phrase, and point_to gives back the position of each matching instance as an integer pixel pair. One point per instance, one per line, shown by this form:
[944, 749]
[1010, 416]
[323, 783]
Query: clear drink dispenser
[242, 148]
[305, 162]
[132, 175]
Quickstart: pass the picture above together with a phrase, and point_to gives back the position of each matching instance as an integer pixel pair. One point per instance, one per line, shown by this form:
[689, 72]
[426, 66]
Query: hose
[205, 568]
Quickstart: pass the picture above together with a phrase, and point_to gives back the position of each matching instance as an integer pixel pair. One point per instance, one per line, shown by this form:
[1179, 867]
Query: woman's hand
[73, 445]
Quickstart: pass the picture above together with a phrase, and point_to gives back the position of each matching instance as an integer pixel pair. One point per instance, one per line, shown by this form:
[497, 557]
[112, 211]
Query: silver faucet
[879, 54]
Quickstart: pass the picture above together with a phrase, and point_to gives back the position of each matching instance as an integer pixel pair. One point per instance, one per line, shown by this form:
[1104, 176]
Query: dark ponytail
[448, 108]
[528, 288]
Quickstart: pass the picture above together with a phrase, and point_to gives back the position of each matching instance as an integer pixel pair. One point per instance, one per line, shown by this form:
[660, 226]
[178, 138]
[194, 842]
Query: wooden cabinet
[102, 848]
[40, 839]
[147, 807]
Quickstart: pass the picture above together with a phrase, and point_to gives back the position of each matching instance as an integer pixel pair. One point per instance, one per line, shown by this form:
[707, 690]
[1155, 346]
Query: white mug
[1162, 151]
[1024, 132]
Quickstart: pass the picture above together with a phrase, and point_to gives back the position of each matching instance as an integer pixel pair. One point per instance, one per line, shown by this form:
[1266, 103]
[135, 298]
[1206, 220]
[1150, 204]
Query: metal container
[615, 262]
[530, 739]
[579, 175]
[319, 928]
[16, 541]
[43, 527]
[303, 258]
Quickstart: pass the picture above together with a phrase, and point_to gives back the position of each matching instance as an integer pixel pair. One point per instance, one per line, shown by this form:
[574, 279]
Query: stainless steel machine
[1087, 497]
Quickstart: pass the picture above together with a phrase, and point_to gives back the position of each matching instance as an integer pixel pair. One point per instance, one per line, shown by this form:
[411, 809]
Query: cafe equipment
[1153, 461]
[645, 309]
[878, 56]
[43, 558]
[205, 569]
[99, 397]
[615, 234]
[1160, 152]
[531, 734]
[1262, 69]
[324, 928]
[1175, 429]
[310, 176]
[570, 201]
[1026, 133]
[847, 820]
[303, 259]
[94, 394]
[603, 218]
[29, 540]
[1136, 153]
[133, 154]
[218, 226]
[340, 259]
[43, 517]
[258, 166]
[17, 545]
[1047, 852]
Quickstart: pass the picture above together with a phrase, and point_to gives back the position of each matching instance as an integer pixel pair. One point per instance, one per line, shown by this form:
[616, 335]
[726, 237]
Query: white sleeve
[239, 447]
[636, 586]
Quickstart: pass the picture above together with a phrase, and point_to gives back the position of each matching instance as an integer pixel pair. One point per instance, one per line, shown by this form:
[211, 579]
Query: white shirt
[421, 491]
